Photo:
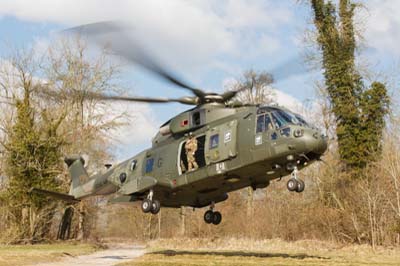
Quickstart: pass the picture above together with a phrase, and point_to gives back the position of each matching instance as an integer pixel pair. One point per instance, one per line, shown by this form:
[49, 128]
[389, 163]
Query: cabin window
[196, 119]
[214, 140]
[133, 165]
[149, 165]
[122, 177]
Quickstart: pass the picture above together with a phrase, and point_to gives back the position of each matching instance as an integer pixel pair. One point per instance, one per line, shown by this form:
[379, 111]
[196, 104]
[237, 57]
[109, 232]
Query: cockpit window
[268, 122]
[260, 124]
[272, 117]
[278, 120]
[264, 123]
[281, 118]
[290, 118]
[302, 121]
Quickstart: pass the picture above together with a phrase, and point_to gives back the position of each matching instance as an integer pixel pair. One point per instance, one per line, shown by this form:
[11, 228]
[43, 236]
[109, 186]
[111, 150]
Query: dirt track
[115, 254]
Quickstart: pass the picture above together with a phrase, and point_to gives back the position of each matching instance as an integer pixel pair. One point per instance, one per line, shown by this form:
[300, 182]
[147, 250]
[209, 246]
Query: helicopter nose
[316, 142]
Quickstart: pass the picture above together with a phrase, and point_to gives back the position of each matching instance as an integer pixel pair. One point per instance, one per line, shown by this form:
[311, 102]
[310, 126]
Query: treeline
[47, 114]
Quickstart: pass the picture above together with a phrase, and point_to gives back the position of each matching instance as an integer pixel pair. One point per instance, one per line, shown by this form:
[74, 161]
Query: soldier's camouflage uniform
[191, 148]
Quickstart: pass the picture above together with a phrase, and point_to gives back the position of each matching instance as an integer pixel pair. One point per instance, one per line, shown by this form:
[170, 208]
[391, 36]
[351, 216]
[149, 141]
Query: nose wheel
[211, 217]
[295, 183]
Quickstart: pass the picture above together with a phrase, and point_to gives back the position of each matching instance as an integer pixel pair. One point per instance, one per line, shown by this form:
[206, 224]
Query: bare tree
[255, 87]
[74, 74]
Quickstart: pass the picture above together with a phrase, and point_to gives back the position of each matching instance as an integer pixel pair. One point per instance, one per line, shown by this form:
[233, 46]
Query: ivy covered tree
[359, 111]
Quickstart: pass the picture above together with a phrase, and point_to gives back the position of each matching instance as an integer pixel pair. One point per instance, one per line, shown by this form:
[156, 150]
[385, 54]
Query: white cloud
[382, 25]
[288, 101]
[139, 126]
[190, 32]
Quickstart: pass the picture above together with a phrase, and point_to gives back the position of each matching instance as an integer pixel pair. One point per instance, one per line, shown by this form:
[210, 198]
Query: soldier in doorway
[191, 148]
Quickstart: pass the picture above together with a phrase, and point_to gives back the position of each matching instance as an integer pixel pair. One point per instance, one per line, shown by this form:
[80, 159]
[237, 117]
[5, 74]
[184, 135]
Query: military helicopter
[233, 146]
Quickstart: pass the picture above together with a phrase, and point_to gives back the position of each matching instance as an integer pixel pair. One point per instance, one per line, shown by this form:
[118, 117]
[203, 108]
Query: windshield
[281, 118]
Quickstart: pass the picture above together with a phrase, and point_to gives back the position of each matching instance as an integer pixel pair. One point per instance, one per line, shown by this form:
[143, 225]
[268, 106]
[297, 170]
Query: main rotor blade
[94, 95]
[228, 95]
[183, 100]
[115, 36]
[292, 66]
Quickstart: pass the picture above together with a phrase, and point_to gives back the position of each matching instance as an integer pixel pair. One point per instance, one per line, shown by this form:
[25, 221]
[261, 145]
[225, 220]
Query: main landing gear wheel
[155, 207]
[292, 184]
[300, 186]
[150, 205]
[146, 205]
[217, 218]
[209, 216]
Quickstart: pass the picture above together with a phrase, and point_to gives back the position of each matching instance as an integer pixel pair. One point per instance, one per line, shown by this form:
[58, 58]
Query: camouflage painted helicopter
[236, 146]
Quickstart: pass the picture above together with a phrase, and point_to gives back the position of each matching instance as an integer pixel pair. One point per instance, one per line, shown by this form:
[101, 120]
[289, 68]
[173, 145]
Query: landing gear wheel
[155, 207]
[209, 216]
[300, 186]
[217, 217]
[292, 184]
[146, 205]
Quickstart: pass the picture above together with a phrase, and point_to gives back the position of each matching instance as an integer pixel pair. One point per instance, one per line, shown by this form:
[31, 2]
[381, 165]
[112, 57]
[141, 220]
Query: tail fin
[77, 171]
[78, 174]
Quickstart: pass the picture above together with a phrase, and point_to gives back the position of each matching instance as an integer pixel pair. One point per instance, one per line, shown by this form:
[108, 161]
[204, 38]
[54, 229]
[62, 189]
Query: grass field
[32, 254]
[269, 252]
[218, 252]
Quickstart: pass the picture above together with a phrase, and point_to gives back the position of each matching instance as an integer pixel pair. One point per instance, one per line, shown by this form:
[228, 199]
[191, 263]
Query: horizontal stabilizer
[56, 195]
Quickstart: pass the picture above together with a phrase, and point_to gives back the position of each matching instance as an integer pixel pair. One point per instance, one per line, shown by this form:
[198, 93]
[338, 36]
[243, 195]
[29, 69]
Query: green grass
[32, 254]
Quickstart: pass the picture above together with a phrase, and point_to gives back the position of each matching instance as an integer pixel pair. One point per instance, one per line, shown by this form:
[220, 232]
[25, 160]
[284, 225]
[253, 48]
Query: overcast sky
[208, 42]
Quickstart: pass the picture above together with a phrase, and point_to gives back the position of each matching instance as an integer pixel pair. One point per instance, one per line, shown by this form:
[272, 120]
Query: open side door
[199, 155]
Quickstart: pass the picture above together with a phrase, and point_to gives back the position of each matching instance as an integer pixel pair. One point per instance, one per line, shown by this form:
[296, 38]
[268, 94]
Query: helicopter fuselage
[237, 147]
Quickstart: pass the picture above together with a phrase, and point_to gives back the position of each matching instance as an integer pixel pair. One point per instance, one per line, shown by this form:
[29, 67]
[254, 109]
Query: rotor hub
[213, 98]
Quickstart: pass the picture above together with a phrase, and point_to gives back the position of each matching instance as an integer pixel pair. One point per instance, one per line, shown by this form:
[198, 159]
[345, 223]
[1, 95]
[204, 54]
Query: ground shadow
[238, 253]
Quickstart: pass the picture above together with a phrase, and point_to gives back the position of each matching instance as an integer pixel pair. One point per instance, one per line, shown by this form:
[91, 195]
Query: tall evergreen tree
[32, 160]
[359, 112]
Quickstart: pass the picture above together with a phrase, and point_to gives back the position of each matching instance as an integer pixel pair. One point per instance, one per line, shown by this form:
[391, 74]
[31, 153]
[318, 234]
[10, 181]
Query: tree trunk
[249, 210]
[183, 227]
[81, 219]
[159, 224]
